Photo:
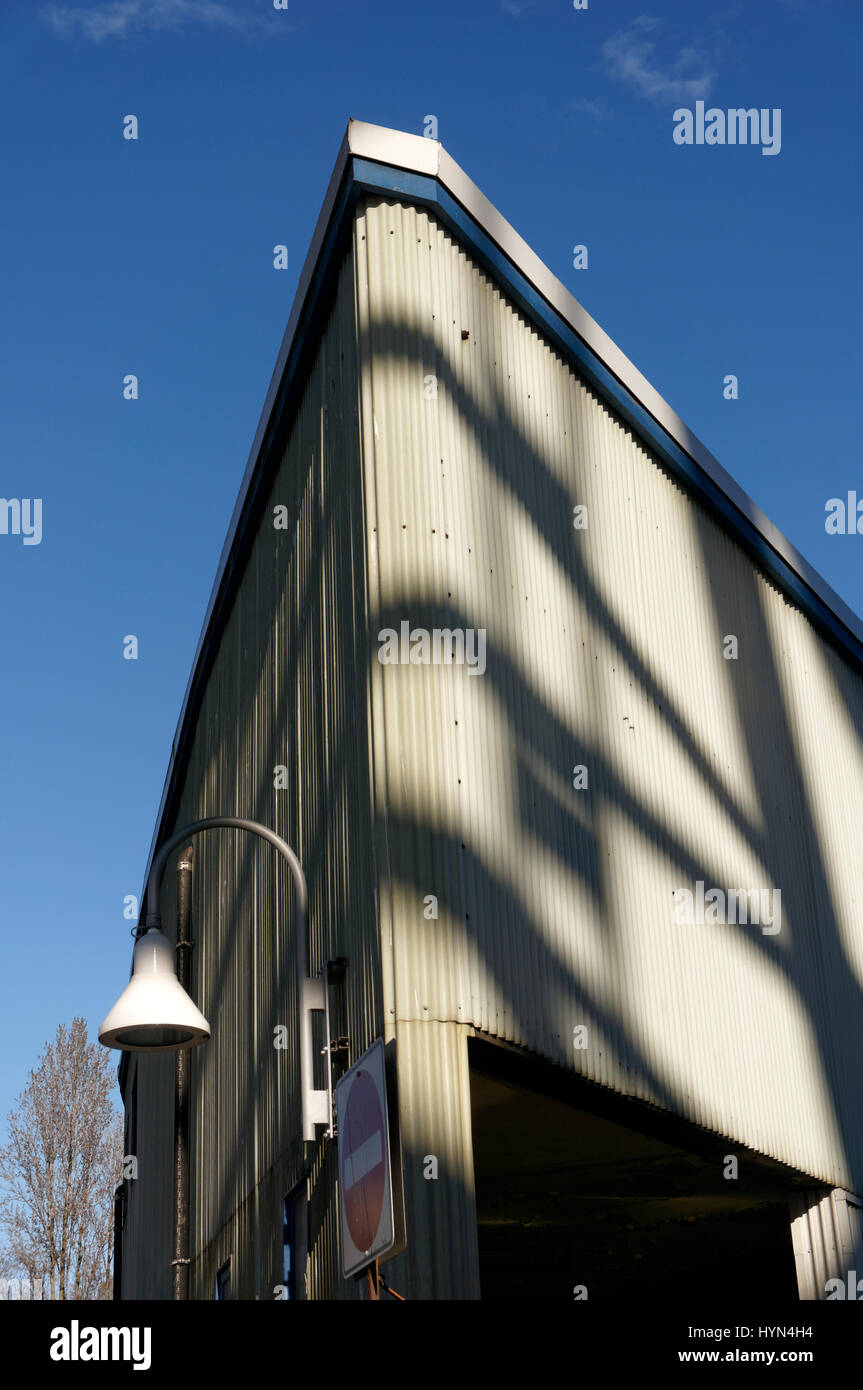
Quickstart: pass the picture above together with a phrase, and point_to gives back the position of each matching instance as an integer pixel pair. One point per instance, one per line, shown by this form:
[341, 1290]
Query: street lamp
[155, 1014]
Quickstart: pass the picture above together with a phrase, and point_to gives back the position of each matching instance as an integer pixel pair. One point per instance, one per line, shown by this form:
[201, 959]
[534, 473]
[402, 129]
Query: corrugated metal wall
[604, 648]
[827, 1234]
[431, 475]
[146, 1235]
[441, 1257]
[288, 687]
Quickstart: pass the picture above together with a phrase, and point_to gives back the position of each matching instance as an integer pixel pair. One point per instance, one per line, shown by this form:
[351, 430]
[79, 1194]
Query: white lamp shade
[154, 1013]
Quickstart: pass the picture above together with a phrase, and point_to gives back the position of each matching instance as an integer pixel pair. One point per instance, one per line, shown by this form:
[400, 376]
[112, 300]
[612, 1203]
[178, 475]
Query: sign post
[370, 1229]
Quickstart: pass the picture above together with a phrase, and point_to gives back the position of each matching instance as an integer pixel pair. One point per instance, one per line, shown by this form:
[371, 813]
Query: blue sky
[155, 258]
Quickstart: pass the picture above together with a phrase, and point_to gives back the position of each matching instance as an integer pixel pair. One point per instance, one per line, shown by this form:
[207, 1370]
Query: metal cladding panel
[287, 690]
[146, 1243]
[827, 1235]
[441, 1258]
[605, 647]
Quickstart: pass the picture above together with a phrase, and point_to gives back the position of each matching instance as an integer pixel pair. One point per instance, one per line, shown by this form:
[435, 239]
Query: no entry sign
[365, 1170]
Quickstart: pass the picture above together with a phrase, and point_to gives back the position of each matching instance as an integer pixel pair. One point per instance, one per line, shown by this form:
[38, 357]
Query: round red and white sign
[364, 1162]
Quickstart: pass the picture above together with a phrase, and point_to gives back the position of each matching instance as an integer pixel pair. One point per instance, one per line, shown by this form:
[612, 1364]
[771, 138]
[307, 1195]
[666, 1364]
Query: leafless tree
[59, 1169]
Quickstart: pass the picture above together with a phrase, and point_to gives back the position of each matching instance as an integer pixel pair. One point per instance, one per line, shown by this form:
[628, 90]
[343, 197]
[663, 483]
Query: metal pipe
[180, 1261]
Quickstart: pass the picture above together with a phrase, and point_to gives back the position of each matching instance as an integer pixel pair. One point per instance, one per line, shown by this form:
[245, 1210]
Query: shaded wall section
[287, 691]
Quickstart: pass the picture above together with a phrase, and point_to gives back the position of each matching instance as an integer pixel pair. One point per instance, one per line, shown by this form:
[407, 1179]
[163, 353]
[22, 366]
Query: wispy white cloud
[629, 56]
[586, 106]
[115, 18]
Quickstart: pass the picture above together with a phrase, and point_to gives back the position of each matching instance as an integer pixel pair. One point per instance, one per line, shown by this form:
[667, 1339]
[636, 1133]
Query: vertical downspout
[119, 1201]
[180, 1262]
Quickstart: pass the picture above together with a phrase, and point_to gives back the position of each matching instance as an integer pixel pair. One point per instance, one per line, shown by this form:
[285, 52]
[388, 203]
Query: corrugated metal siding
[827, 1234]
[554, 906]
[441, 1258]
[148, 1201]
[288, 686]
[605, 648]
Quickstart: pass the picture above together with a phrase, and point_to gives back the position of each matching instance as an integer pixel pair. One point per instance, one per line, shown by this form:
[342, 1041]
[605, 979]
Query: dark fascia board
[375, 160]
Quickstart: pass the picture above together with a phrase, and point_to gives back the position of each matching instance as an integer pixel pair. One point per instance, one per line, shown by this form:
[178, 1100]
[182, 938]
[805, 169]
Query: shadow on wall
[781, 831]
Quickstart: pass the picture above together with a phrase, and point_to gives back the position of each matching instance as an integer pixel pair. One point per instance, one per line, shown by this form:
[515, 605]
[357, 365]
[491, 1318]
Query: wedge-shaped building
[567, 738]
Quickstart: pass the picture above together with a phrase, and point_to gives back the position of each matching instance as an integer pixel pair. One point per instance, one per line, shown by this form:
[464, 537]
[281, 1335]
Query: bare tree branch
[59, 1169]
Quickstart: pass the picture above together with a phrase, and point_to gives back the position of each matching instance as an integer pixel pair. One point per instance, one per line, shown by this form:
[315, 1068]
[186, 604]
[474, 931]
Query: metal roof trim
[417, 155]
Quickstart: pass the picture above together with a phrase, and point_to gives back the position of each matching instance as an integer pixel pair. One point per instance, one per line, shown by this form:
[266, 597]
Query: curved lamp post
[155, 1014]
